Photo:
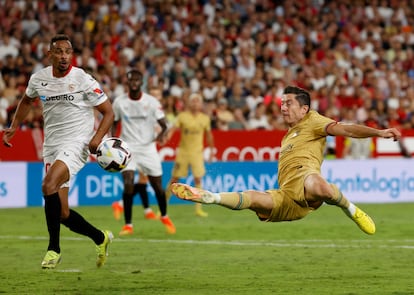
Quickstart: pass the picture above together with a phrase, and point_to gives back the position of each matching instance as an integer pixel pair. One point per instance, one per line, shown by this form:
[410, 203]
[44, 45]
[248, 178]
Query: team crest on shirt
[295, 134]
[71, 87]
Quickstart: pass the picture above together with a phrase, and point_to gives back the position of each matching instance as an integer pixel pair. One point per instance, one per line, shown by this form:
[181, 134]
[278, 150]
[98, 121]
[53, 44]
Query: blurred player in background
[138, 112]
[141, 186]
[358, 148]
[194, 126]
[302, 188]
[69, 96]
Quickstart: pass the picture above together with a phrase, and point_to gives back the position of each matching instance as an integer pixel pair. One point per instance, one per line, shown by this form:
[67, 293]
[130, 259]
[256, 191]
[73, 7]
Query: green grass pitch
[230, 252]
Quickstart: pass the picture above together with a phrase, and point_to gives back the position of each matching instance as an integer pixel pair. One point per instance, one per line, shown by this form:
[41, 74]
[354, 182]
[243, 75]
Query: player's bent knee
[320, 191]
[49, 188]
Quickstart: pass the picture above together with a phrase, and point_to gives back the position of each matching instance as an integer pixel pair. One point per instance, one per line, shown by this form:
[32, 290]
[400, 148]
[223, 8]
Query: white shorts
[146, 160]
[74, 157]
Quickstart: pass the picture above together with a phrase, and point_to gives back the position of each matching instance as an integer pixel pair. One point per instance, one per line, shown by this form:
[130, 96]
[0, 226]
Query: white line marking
[68, 270]
[400, 244]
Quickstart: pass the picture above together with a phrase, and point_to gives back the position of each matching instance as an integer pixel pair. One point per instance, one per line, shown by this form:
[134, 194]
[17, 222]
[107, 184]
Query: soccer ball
[113, 154]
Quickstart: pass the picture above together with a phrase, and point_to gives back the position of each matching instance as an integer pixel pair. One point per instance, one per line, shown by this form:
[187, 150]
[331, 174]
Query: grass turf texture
[227, 253]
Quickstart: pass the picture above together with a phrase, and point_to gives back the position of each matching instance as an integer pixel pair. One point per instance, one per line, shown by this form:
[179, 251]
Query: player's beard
[63, 66]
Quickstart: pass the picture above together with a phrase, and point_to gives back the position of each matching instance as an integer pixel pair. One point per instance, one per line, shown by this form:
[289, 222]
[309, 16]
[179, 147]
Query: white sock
[146, 210]
[217, 198]
[351, 209]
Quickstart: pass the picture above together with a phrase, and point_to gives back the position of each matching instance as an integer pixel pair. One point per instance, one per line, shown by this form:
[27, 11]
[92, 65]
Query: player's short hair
[301, 95]
[134, 72]
[195, 96]
[59, 37]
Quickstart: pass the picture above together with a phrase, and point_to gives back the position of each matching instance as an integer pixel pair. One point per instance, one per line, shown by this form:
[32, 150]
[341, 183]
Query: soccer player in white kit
[69, 96]
[138, 112]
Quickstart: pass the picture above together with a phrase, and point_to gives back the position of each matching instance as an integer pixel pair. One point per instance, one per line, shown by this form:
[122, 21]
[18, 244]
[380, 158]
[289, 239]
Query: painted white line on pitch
[68, 270]
[278, 243]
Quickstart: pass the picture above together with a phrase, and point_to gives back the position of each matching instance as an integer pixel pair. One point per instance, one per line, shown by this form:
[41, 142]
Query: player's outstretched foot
[169, 225]
[102, 249]
[51, 259]
[365, 223]
[117, 209]
[126, 230]
[186, 192]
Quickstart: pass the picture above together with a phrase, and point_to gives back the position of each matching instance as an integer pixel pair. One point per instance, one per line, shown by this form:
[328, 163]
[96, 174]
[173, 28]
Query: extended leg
[318, 189]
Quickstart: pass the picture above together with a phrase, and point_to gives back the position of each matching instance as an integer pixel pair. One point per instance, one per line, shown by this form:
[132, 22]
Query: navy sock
[128, 202]
[162, 202]
[76, 223]
[141, 189]
[52, 213]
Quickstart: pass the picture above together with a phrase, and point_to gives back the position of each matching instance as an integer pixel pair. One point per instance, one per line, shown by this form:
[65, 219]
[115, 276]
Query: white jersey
[138, 118]
[67, 105]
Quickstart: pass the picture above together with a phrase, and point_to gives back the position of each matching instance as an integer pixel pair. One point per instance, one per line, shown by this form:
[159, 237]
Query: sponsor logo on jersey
[286, 148]
[63, 97]
[98, 91]
[44, 84]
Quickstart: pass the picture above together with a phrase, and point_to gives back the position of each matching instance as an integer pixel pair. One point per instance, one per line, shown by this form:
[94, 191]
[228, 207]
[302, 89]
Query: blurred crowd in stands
[355, 57]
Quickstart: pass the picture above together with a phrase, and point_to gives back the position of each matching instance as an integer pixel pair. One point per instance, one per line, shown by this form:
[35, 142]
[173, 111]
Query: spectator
[11, 92]
[239, 122]
[254, 98]
[4, 104]
[30, 25]
[274, 93]
[237, 98]
[259, 119]
[363, 56]
[224, 115]
[170, 109]
[246, 67]
[8, 47]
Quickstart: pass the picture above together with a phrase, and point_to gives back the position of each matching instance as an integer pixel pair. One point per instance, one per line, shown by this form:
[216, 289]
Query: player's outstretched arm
[22, 110]
[361, 131]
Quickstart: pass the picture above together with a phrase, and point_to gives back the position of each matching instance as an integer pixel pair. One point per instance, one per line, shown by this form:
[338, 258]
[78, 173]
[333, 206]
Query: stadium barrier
[362, 181]
[253, 145]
